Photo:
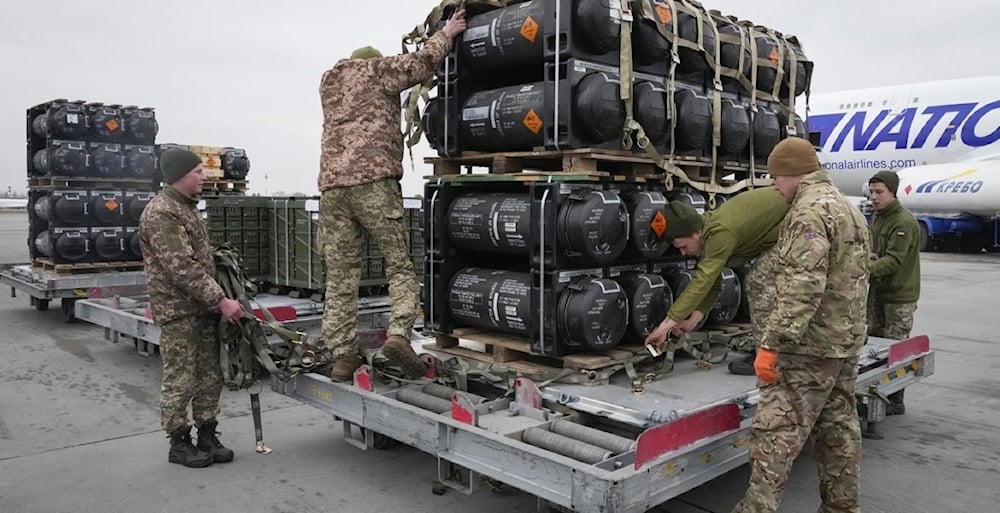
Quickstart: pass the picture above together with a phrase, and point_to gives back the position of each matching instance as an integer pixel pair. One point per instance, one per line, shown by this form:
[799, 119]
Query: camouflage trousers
[189, 350]
[814, 396]
[760, 293]
[347, 214]
[890, 320]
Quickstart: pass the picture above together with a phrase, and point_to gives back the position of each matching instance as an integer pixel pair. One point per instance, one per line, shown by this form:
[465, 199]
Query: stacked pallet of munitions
[226, 168]
[91, 170]
[572, 256]
[277, 238]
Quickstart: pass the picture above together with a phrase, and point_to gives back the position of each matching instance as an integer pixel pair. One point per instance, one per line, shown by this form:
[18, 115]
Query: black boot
[184, 452]
[208, 441]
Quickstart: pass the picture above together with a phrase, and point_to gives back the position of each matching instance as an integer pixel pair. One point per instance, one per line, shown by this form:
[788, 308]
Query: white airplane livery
[943, 138]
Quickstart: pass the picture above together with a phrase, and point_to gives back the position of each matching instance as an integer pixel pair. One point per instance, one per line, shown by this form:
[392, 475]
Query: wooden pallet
[493, 347]
[224, 187]
[614, 164]
[89, 267]
[48, 183]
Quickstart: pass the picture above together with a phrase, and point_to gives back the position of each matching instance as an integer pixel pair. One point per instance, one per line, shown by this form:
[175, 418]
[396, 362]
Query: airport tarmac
[80, 432]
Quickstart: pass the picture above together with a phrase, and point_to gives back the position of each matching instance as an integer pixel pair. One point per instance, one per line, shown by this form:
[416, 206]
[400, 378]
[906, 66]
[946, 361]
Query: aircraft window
[915, 100]
[869, 104]
[885, 102]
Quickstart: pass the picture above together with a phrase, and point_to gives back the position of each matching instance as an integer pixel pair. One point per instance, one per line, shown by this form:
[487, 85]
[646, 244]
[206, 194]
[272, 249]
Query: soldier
[360, 168]
[186, 302]
[807, 364]
[743, 228]
[895, 268]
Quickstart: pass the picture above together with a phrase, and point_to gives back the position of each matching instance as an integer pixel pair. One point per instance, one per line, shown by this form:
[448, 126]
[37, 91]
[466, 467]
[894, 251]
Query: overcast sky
[245, 73]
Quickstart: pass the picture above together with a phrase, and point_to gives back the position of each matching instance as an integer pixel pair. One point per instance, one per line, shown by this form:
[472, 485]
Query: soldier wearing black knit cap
[895, 268]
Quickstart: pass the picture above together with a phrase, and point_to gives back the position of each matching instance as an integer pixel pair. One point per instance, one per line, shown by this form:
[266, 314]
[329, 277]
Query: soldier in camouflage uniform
[743, 228]
[895, 268]
[186, 302]
[360, 168]
[807, 364]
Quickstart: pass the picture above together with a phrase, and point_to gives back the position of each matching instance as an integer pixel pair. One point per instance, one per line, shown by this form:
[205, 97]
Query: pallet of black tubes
[91, 168]
[552, 270]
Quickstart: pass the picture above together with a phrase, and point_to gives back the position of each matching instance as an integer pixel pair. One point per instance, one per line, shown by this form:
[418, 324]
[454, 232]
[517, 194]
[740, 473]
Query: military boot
[743, 366]
[208, 441]
[184, 452]
[400, 353]
[344, 367]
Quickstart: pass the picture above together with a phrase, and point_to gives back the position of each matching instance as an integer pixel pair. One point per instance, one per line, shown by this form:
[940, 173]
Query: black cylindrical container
[490, 222]
[730, 55]
[728, 304]
[63, 209]
[106, 160]
[106, 123]
[592, 311]
[649, 298]
[743, 312]
[140, 126]
[734, 127]
[650, 110]
[678, 279]
[108, 245]
[106, 209]
[590, 223]
[69, 246]
[493, 299]
[235, 163]
[688, 28]
[647, 222]
[61, 121]
[140, 161]
[515, 36]
[803, 69]
[134, 205]
[65, 159]
[593, 224]
[598, 112]
[766, 131]
[134, 245]
[648, 44]
[694, 120]
[509, 118]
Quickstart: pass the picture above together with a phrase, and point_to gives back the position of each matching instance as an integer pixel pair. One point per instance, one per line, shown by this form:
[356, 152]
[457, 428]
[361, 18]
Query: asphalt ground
[79, 428]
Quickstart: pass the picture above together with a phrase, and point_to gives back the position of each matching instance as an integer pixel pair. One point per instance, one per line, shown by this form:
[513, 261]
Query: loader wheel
[40, 304]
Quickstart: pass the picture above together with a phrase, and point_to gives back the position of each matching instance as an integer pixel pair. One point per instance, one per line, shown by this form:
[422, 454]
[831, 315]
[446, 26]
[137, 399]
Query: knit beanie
[366, 52]
[793, 156]
[175, 163]
[682, 220]
[889, 178]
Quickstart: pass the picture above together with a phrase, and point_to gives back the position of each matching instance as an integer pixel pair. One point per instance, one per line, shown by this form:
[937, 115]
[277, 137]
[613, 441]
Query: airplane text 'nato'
[965, 119]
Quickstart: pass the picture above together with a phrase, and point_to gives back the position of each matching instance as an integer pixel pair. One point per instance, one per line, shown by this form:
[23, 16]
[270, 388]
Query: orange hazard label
[209, 161]
[532, 121]
[111, 205]
[659, 224]
[112, 125]
[663, 12]
[529, 29]
[774, 56]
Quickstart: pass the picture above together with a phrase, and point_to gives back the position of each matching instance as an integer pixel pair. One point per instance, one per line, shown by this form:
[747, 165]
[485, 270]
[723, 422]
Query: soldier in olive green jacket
[742, 229]
[895, 268]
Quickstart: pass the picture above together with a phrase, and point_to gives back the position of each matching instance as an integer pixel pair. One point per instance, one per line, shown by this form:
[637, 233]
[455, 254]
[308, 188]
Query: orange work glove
[763, 366]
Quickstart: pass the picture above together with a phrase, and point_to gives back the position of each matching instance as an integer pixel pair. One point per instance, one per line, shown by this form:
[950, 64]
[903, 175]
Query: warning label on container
[663, 12]
[529, 29]
[112, 125]
[659, 224]
[209, 161]
[111, 205]
[532, 121]
[774, 57]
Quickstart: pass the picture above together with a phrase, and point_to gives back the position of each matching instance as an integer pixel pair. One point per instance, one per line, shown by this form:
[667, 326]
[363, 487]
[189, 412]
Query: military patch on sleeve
[172, 236]
[809, 234]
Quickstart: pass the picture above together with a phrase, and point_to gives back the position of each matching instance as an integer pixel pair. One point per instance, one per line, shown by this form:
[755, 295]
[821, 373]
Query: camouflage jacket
[896, 271]
[822, 287]
[178, 258]
[738, 231]
[362, 141]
